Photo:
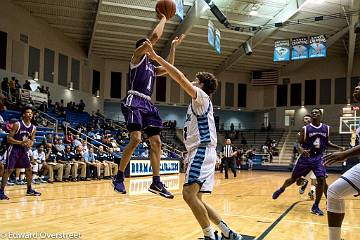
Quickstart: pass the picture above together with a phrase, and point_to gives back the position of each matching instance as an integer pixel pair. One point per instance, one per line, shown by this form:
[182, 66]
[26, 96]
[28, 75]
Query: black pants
[229, 163]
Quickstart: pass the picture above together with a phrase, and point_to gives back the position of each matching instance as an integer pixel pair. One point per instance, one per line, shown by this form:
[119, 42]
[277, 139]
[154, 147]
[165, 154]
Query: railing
[86, 137]
[49, 119]
[177, 152]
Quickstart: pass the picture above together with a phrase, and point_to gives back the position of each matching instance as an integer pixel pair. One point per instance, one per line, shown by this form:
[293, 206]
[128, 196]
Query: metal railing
[49, 119]
[86, 137]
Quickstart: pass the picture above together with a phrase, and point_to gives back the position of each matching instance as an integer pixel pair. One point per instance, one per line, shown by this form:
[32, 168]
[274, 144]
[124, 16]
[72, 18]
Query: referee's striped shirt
[228, 150]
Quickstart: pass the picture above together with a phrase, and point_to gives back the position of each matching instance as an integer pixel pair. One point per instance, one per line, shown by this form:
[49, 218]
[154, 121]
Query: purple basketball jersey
[17, 156]
[142, 77]
[316, 138]
[24, 132]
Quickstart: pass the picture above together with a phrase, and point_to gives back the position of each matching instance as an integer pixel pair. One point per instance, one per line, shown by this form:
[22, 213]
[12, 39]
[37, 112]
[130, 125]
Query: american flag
[264, 78]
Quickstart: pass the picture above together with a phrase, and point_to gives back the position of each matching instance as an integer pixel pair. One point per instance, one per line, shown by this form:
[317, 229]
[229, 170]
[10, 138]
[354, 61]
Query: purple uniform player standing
[140, 113]
[313, 142]
[20, 138]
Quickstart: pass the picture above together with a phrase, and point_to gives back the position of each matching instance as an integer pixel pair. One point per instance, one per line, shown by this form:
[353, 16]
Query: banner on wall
[317, 46]
[217, 41]
[282, 50]
[300, 48]
[180, 9]
[211, 30]
[143, 167]
[36, 97]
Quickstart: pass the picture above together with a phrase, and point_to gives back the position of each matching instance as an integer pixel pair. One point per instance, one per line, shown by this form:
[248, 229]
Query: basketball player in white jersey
[348, 184]
[200, 140]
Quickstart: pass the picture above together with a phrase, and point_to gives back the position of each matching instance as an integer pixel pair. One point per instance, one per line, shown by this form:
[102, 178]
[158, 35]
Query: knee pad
[335, 200]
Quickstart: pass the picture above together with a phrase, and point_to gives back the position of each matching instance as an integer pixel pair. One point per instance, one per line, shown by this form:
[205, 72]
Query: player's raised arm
[171, 57]
[174, 73]
[159, 29]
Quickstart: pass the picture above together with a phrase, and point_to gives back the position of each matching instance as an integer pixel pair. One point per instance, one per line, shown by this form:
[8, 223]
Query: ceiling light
[254, 10]
[71, 86]
[253, 13]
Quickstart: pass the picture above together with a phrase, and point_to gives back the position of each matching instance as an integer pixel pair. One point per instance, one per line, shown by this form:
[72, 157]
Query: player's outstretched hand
[150, 51]
[160, 14]
[334, 157]
[178, 40]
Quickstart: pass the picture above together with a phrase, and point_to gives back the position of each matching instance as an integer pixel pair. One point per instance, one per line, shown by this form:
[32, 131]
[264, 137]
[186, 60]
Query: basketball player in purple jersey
[20, 138]
[140, 113]
[313, 141]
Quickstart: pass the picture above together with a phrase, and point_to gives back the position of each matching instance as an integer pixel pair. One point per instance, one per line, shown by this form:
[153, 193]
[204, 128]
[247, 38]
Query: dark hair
[315, 108]
[209, 81]
[140, 42]
[27, 107]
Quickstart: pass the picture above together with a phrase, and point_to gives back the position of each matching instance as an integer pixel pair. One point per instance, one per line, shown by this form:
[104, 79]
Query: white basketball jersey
[199, 127]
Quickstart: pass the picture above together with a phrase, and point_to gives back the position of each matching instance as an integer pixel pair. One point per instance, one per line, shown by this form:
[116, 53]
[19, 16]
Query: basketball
[166, 7]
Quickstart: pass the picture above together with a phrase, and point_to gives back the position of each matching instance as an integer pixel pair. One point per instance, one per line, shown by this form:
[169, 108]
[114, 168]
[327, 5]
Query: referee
[228, 152]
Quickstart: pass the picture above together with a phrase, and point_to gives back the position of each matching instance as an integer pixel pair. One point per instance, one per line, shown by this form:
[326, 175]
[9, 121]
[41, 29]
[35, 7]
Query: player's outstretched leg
[286, 184]
[118, 181]
[319, 192]
[226, 232]
[157, 186]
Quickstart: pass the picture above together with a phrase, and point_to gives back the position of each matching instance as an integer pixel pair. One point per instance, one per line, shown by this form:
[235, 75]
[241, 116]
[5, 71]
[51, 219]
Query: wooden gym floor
[95, 211]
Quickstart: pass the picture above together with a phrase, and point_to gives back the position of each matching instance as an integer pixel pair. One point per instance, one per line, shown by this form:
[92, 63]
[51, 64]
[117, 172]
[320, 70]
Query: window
[75, 73]
[310, 92]
[295, 98]
[96, 82]
[63, 70]
[282, 95]
[49, 56]
[115, 91]
[242, 94]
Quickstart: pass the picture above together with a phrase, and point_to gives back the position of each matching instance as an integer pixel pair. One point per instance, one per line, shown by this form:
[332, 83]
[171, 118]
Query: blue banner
[211, 37]
[180, 9]
[300, 48]
[317, 47]
[217, 41]
[282, 50]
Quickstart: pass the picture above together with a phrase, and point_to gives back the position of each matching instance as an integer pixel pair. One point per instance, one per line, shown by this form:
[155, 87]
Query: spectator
[5, 86]
[81, 106]
[69, 139]
[42, 89]
[40, 167]
[17, 84]
[27, 85]
[104, 158]
[232, 127]
[47, 91]
[79, 159]
[51, 160]
[68, 159]
[59, 146]
[113, 167]
[93, 166]
[76, 141]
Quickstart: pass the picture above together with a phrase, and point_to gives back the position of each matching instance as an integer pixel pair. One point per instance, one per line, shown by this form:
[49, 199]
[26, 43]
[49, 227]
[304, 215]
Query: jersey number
[317, 143]
[149, 84]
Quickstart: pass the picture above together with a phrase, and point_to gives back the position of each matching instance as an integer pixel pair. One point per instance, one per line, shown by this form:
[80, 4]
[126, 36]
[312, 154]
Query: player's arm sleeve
[200, 104]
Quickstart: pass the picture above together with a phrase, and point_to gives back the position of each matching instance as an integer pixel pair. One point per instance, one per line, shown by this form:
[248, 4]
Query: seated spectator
[40, 168]
[17, 84]
[81, 106]
[111, 162]
[5, 86]
[76, 141]
[69, 138]
[27, 85]
[93, 166]
[68, 159]
[79, 159]
[104, 158]
[59, 145]
[53, 165]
